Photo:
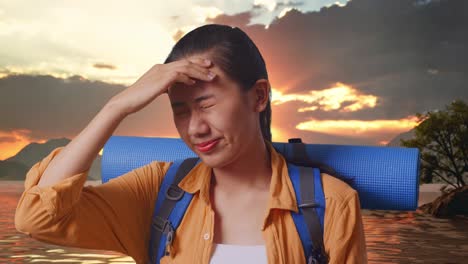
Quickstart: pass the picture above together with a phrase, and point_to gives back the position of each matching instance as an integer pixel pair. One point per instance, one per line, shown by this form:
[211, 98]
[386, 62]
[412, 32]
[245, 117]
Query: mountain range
[17, 166]
[395, 142]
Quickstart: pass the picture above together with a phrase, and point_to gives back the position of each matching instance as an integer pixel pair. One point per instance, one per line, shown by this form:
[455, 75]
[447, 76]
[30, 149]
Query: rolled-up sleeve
[347, 243]
[113, 216]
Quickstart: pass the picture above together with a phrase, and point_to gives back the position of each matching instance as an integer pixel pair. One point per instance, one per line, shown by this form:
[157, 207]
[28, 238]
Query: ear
[260, 93]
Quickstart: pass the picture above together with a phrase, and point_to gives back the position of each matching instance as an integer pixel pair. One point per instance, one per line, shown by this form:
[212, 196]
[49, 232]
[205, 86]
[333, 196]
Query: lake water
[391, 236]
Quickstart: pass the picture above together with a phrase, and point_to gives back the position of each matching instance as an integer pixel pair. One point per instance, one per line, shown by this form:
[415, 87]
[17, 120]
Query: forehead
[181, 90]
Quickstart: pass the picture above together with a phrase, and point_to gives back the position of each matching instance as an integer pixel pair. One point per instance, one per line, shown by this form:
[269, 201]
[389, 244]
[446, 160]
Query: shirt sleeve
[112, 216]
[347, 242]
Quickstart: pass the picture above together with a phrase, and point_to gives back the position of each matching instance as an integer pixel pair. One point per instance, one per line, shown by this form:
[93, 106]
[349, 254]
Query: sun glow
[13, 141]
[358, 127]
[341, 97]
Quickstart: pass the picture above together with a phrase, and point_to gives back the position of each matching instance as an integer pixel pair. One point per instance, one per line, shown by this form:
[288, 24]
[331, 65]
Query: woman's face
[215, 110]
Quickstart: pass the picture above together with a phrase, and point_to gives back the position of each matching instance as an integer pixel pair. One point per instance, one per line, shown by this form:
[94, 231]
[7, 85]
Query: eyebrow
[196, 100]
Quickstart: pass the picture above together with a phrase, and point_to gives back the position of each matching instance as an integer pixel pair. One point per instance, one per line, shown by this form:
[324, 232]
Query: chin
[217, 159]
[213, 161]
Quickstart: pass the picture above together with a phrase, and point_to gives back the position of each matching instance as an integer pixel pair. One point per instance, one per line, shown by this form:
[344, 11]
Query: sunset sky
[342, 72]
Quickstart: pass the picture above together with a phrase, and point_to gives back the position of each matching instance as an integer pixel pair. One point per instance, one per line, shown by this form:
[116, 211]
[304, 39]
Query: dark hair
[237, 55]
[234, 52]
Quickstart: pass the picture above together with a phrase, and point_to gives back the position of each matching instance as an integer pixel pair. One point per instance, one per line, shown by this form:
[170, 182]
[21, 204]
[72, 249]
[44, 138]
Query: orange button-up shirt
[117, 215]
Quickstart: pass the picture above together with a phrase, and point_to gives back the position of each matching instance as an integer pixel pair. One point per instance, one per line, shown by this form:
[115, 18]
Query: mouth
[207, 145]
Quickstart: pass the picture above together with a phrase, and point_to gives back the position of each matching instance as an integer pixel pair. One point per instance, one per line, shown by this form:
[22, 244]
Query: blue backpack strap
[309, 220]
[170, 207]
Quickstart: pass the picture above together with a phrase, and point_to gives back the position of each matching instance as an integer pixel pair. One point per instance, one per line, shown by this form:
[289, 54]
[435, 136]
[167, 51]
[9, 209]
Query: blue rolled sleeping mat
[386, 178]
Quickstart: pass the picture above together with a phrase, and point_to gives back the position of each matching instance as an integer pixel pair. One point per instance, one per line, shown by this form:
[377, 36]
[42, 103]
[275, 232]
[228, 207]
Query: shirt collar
[282, 195]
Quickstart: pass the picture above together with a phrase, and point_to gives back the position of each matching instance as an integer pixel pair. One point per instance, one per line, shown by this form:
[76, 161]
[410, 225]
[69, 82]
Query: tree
[442, 139]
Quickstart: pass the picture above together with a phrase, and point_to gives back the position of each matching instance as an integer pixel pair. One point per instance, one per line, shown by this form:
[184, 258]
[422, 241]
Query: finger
[194, 71]
[196, 60]
[202, 61]
[183, 78]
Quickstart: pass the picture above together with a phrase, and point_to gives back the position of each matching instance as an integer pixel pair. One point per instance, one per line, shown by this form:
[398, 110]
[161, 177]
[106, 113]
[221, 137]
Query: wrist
[114, 109]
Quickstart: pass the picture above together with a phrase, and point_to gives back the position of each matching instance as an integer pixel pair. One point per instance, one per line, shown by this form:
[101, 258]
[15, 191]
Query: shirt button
[206, 236]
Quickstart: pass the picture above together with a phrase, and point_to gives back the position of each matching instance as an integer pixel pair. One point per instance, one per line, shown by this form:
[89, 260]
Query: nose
[197, 125]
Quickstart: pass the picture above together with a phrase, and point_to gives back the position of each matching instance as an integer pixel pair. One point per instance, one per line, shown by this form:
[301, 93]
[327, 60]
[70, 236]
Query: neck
[251, 172]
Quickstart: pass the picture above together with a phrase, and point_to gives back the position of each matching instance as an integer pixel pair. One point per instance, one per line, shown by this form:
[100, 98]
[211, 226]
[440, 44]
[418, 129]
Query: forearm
[78, 155]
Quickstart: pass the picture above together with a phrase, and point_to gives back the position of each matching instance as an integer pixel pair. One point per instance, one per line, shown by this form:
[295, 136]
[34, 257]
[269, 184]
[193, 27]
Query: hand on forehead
[180, 87]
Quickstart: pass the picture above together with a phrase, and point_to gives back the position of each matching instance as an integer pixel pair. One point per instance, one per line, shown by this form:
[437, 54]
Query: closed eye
[208, 106]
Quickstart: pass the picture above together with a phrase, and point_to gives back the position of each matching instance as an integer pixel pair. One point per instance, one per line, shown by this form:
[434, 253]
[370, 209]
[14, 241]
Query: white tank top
[234, 254]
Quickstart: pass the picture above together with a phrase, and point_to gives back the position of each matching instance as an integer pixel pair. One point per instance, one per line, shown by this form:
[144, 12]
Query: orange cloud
[359, 128]
[329, 99]
[13, 141]
[104, 66]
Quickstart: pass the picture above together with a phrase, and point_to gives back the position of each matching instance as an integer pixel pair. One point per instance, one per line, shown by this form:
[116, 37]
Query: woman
[219, 91]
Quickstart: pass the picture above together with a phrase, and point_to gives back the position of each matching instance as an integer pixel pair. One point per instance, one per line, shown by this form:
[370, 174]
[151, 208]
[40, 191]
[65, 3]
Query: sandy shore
[429, 192]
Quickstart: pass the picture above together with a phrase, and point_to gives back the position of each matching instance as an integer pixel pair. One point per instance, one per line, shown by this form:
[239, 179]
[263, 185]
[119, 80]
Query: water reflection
[391, 236]
[414, 237]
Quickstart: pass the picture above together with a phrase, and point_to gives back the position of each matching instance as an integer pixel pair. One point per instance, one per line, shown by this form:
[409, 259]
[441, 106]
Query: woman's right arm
[78, 155]
[56, 208]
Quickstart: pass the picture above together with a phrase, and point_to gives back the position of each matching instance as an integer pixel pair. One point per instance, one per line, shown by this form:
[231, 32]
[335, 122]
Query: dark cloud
[282, 5]
[365, 42]
[104, 66]
[239, 20]
[52, 107]
[411, 54]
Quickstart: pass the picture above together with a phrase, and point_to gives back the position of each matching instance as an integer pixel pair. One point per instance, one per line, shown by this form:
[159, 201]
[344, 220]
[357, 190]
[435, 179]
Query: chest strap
[171, 204]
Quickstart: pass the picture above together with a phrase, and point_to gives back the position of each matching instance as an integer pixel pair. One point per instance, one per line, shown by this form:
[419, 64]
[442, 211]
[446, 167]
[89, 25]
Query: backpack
[172, 202]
